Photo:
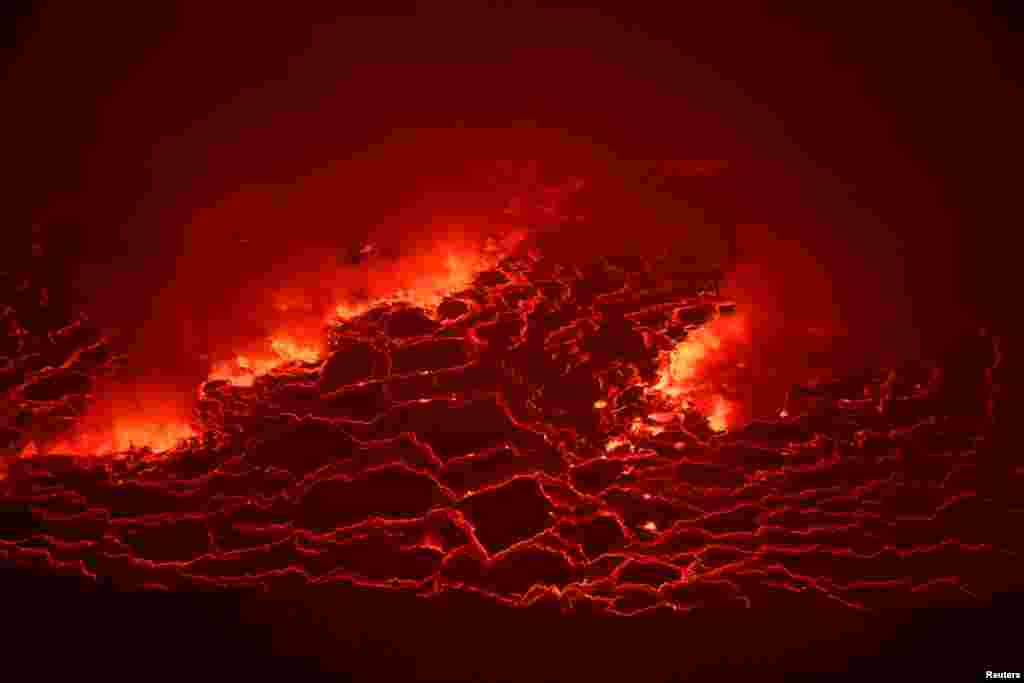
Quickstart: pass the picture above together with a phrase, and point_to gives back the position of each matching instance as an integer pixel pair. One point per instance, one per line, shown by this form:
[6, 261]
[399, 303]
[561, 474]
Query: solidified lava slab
[461, 451]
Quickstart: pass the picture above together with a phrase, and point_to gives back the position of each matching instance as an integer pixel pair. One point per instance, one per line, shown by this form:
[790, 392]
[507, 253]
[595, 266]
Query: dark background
[880, 143]
[375, 634]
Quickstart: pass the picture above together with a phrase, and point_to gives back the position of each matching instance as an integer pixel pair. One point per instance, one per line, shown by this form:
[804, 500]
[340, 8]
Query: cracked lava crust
[516, 442]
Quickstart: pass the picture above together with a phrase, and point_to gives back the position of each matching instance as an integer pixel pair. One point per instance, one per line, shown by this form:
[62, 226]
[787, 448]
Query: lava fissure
[537, 435]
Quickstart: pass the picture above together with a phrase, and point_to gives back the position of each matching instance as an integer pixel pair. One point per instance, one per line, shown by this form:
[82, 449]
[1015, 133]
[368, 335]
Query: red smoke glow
[695, 372]
[128, 417]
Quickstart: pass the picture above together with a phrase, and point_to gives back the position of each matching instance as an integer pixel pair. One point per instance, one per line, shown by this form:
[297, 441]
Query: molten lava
[117, 424]
[691, 374]
[291, 351]
[421, 279]
[127, 435]
[410, 448]
[718, 416]
[243, 370]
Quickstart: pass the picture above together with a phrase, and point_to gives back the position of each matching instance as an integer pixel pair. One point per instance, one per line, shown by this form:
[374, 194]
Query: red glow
[690, 373]
[246, 367]
[125, 435]
[130, 417]
[118, 423]
[721, 411]
[421, 278]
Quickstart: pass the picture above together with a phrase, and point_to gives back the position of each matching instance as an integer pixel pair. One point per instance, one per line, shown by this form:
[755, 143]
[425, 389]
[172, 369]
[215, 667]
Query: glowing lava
[615, 442]
[718, 416]
[438, 258]
[290, 351]
[245, 368]
[424, 280]
[689, 372]
[124, 435]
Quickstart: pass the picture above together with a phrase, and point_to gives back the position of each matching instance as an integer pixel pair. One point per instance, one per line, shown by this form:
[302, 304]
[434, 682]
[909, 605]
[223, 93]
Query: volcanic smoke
[545, 311]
